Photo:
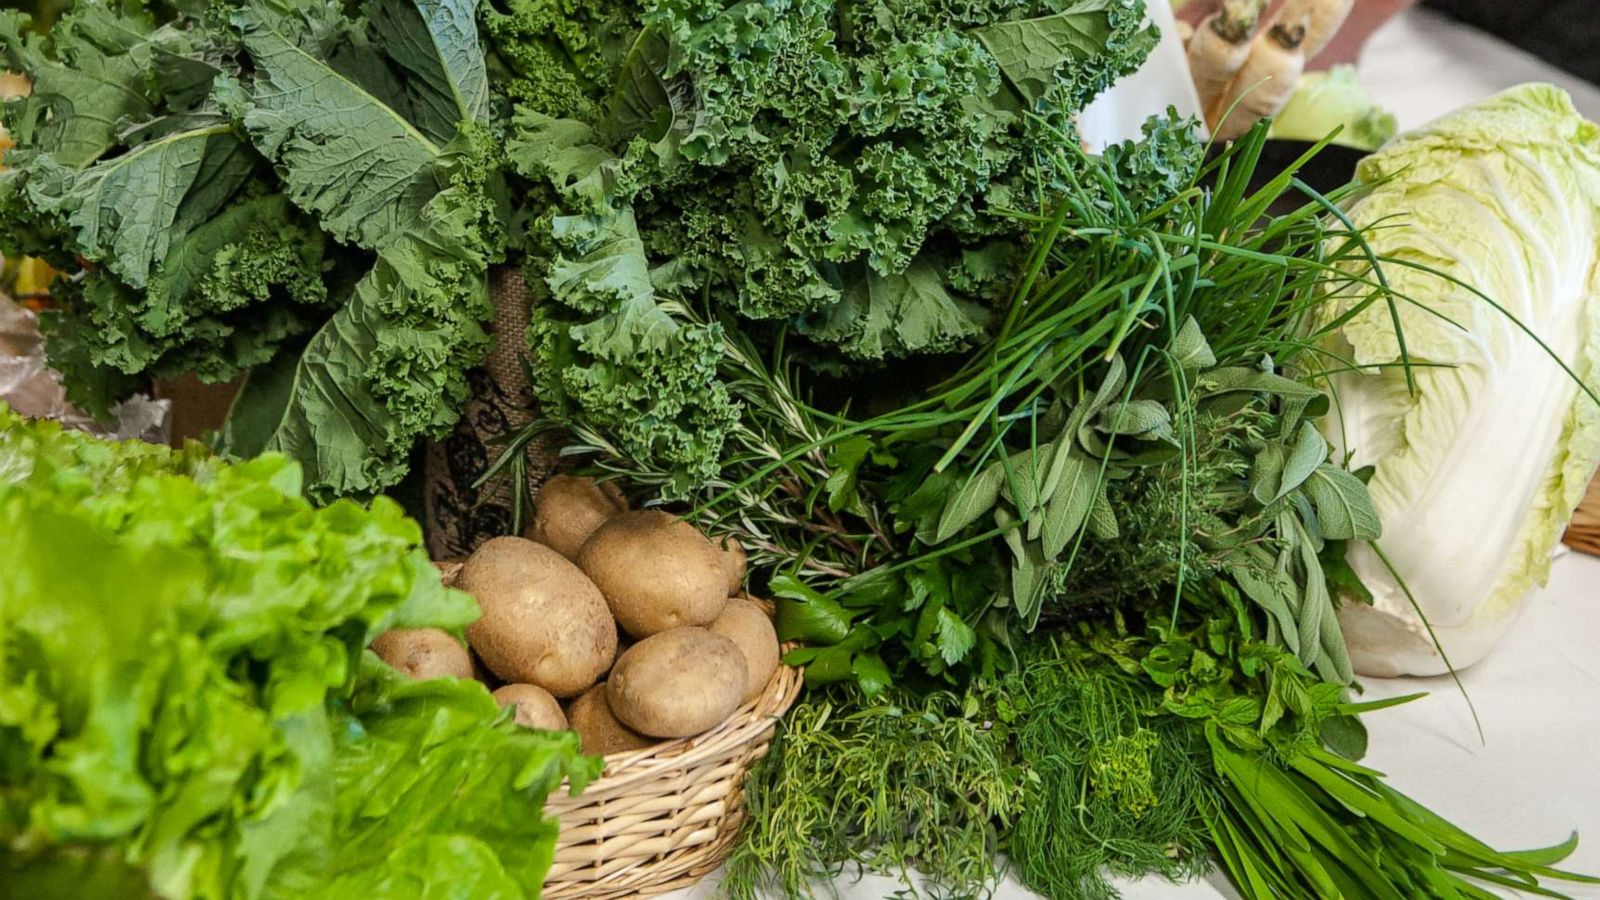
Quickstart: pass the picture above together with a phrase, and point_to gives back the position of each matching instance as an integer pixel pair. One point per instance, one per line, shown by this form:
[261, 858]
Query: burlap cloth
[459, 516]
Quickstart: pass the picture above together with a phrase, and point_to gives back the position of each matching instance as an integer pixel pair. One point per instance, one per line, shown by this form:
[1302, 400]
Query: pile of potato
[553, 603]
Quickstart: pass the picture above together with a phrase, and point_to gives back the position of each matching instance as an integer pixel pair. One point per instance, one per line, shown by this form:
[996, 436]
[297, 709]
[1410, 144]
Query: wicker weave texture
[1583, 532]
[664, 817]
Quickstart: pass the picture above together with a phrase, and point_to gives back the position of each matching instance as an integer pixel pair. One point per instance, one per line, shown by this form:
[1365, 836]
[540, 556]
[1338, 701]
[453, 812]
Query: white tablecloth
[1535, 776]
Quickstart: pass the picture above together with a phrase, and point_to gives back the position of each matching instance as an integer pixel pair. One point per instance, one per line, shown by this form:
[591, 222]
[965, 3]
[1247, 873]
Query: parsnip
[1220, 46]
[1265, 81]
[1323, 19]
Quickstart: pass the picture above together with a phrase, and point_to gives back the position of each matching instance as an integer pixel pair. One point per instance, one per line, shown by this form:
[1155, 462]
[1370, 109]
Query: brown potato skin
[750, 628]
[543, 622]
[656, 571]
[735, 561]
[569, 509]
[534, 706]
[599, 731]
[678, 683]
[423, 653]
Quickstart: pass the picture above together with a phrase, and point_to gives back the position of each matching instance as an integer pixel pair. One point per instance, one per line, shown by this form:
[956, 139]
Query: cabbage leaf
[1491, 230]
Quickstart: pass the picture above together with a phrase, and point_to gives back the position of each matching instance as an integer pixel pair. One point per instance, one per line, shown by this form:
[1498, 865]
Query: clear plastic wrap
[29, 386]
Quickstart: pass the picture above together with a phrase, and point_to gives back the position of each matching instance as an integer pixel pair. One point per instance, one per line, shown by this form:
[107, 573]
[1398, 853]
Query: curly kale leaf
[355, 163]
[390, 366]
[551, 56]
[605, 352]
[86, 81]
[1064, 60]
[892, 315]
[126, 212]
[223, 299]
[784, 146]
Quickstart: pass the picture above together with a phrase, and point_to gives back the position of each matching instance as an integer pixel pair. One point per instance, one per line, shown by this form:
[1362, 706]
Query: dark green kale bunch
[310, 191]
[849, 174]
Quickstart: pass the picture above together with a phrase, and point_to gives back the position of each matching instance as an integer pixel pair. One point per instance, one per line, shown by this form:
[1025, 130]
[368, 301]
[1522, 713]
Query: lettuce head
[1491, 217]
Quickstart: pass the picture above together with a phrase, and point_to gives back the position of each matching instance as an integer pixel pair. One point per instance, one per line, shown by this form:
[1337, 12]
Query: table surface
[1535, 775]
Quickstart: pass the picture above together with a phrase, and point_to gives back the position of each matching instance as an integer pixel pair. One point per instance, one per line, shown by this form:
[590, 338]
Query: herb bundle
[1116, 527]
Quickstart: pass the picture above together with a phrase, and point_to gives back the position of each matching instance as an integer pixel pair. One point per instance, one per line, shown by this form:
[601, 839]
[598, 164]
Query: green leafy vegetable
[184, 692]
[299, 190]
[844, 173]
[1499, 265]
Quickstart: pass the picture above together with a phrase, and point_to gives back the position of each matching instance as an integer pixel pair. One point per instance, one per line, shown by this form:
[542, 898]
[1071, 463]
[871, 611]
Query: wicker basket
[1583, 532]
[661, 818]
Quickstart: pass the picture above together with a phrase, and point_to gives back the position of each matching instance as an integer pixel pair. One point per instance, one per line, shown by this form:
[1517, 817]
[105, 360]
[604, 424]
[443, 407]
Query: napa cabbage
[1330, 98]
[1477, 464]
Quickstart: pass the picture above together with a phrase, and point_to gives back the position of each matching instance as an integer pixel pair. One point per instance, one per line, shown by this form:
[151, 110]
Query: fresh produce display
[188, 710]
[1083, 483]
[1505, 198]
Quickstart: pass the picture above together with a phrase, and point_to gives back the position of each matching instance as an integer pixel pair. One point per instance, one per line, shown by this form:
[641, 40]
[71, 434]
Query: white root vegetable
[1219, 47]
[1265, 82]
[1323, 19]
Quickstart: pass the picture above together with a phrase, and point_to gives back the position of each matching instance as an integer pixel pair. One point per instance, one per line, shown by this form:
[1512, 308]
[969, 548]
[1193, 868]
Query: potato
[750, 628]
[656, 571]
[535, 707]
[734, 561]
[569, 508]
[599, 732]
[677, 683]
[543, 622]
[423, 653]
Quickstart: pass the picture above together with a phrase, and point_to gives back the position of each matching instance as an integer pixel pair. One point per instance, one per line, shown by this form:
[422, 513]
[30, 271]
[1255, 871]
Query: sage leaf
[1334, 664]
[1021, 486]
[1344, 507]
[1029, 575]
[1110, 387]
[975, 498]
[1144, 419]
[1309, 451]
[1070, 505]
[1266, 474]
[1190, 350]
[1239, 378]
[1315, 600]
[1102, 518]
[1272, 590]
